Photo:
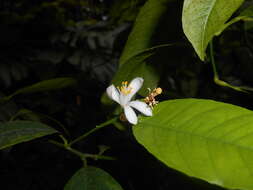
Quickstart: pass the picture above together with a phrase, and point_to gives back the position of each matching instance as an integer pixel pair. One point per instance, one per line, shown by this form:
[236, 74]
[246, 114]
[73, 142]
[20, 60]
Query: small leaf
[205, 139]
[15, 132]
[46, 85]
[91, 178]
[102, 149]
[203, 19]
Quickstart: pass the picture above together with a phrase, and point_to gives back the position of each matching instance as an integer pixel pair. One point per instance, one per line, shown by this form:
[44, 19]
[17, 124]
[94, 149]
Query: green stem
[93, 130]
[97, 157]
[74, 151]
[65, 141]
[82, 156]
[216, 76]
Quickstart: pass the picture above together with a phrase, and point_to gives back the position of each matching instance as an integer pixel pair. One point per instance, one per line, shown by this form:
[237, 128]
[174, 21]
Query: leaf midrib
[205, 24]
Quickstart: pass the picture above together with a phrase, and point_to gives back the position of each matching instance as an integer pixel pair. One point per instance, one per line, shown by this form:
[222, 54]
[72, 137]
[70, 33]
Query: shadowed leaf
[15, 132]
[91, 178]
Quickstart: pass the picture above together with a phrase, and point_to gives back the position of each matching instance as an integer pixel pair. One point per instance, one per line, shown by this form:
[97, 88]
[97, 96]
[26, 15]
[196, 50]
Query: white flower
[123, 96]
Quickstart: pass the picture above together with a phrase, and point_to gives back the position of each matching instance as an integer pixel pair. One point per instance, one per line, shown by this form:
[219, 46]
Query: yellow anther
[125, 89]
[150, 99]
[124, 83]
[159, 90]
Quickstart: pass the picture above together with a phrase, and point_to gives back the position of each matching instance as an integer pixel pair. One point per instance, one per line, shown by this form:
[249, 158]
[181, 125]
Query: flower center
[125, 89]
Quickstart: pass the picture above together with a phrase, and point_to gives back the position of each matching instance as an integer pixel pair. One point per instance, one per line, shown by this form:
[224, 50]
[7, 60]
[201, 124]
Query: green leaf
[46, 85]
[137, 66]
[15, 132]
[205, 139]
[144, 28]
[203, 19]
[91, 178]
[140, 44]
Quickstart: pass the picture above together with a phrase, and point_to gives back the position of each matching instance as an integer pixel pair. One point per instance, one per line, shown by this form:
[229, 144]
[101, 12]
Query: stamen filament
[125, 89]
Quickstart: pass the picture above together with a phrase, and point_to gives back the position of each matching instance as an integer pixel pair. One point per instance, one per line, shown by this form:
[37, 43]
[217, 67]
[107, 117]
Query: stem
[67, 146]
[93, 130]
[97, 156]
[216, 76]
[83, 156]
[65, 141]
[57, 143]
[74, 151]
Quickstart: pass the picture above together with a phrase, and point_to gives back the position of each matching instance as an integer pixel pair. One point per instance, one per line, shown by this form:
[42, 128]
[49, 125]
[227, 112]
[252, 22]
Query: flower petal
[141, 107]
[135, 86]
[124, 99]
[113, 93]
[130, 115]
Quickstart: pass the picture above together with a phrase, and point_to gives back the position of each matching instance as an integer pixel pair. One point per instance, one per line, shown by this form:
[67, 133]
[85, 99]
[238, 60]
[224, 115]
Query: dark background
[45, 39]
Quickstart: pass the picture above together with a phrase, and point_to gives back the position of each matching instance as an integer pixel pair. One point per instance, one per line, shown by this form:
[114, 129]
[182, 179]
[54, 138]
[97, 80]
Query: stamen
[158, 90]
[125, 89]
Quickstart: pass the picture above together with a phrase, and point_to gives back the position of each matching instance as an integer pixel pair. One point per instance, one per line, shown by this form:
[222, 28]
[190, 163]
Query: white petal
[124, 99]
[135, 86]
[113, 93]
[141, 107]
[130, 115]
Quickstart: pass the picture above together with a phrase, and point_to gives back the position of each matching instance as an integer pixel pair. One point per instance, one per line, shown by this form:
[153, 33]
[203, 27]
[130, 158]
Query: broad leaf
[144, 28]
[15, 132]
[203, 19]
[140, 44]
[46, 85]
[205, 139]
[91, 178]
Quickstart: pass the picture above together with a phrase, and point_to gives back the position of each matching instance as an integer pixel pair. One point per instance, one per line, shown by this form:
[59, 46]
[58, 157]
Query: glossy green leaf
[46, 85]
[138, 67]
[205, 139]
[203, 19]
[91, 178]
[15, 132]
[144, 28]
[140, 45]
